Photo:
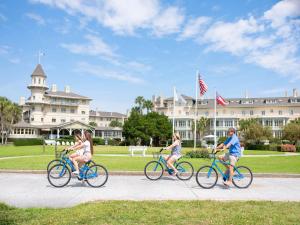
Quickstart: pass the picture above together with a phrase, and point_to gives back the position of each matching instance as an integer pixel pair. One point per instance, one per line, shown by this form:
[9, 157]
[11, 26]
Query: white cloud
[95, 47]
[102, 72]
[64, 26]
[4, 49]
[37, 18]
[168, 22]
[124, 17]
[14, 60]
[194, 27]
[271, 41]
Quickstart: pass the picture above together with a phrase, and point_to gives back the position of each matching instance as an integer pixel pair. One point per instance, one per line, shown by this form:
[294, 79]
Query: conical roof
[38, 71]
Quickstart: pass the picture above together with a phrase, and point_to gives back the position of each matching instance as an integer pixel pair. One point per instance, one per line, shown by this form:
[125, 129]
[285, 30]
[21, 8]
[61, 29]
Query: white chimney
[67, 89]
[295, 93]
[54, 88]
[22, 101]
[285, 94]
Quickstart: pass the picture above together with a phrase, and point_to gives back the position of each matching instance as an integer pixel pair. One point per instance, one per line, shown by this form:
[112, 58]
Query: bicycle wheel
[242, 177]
[153, 170]
[96, 175]
[53, 162]
[207, 177]
[59, 175]
[185, 170]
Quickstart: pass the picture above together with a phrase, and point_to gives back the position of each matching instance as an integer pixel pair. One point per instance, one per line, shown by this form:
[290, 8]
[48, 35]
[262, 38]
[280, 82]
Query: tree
[93, 124]
[257, 132]
[10, 113]
[201, 127]
[143, 127]
[148, 105]
[291, 132]
[140, 103]
[115, 123]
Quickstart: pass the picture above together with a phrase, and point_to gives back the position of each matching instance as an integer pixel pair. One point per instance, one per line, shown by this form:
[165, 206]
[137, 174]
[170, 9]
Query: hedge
[203, 153]
[190, 143]
[27, 141]
[257, 147]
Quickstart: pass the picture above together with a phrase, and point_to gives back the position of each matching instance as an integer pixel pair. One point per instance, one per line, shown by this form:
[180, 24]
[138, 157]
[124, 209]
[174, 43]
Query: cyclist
[175, 153]
[233, 143]
[88, 151]
[78, 141]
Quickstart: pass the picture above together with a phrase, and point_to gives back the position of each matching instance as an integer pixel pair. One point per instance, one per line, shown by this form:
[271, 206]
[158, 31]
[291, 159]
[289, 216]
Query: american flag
[220, 100]
[202, 85]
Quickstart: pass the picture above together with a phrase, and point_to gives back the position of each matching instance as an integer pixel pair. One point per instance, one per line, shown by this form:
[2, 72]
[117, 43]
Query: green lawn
[11, 150]
[279, 164]
[162, 212]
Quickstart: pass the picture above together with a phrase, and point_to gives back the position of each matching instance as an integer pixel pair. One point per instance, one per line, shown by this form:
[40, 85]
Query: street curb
[141, 173]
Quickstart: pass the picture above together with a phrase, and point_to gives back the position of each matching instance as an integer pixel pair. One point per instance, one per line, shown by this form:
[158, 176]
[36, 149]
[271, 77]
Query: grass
[162, 212]
[11, 150]
[279, 164]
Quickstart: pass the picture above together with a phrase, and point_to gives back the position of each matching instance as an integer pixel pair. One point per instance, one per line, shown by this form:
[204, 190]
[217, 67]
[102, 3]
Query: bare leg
[170, 162]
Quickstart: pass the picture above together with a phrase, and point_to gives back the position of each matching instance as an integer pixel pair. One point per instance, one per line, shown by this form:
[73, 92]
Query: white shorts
[79, 152]
[175, 157]
[231, 158]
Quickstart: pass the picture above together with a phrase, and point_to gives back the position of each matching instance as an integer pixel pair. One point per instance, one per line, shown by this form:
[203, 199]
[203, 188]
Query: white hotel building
[53, 113]
[271, 111]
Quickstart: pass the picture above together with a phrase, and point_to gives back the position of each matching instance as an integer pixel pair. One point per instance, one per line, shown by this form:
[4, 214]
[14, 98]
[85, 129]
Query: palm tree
[13, 114]
[4, 103]
[148, 105]
[202, 125]
[140, 103]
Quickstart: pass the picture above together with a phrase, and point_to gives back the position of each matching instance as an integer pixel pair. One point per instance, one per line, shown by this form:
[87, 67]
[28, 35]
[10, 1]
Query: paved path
[33, 190]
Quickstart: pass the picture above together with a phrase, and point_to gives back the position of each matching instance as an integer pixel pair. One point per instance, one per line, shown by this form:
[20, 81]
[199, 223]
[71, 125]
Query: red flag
[202, 85]
[221, 101]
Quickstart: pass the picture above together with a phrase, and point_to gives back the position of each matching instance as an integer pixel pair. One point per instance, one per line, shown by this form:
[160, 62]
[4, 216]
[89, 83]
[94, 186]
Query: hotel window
[34, 81]
[32, 119]
[53, 120]
[72, 120]
[291, 112]
[42, 119]
[251, 112]
[182, 123]
[280, 112]
[32, 109]
[33, 97]
[263, 113]
[39, 80]
[232, 112]
[271, 110]
[22, 131]
[83, 119]
[63, 110]
[72, 111]
[54, 110]
[83, 112]
[187, 113]
[243, 113]
[206, 113]
[62, 120]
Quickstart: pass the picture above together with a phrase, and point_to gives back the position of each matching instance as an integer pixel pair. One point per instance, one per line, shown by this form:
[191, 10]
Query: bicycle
[155, 168]
[207, 176]
[59, 175]
[63, 156]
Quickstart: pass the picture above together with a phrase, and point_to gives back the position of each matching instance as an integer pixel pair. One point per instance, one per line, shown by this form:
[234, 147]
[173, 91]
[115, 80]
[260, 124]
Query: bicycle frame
[215, 165]
[164, 162]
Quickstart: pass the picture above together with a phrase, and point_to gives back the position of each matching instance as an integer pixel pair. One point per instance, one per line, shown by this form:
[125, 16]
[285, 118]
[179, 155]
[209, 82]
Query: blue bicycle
[59, 175]
[207, 176]
[155, 169]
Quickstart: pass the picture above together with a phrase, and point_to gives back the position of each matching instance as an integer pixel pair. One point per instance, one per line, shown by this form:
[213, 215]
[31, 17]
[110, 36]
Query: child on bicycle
[87, 147]
[175, 152]
[233, 143]
[78, 141]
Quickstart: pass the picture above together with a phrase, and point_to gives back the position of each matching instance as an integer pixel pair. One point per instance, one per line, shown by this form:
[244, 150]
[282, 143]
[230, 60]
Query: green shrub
[114, 142]
[27, 141]
[298, 149]
[203, 153]
[250, 146]
[275, 147]
[98, 141]
[222, 140]
[190, 143]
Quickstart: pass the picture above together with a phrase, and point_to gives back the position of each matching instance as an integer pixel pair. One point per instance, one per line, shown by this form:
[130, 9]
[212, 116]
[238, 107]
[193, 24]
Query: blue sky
[113, 51]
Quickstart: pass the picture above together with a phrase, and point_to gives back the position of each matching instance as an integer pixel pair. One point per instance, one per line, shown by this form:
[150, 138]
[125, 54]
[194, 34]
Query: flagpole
[215, 121]
[196, 111]
[174, 90]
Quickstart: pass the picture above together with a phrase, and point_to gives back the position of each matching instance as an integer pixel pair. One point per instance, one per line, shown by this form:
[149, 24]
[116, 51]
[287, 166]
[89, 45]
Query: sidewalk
[33, 190]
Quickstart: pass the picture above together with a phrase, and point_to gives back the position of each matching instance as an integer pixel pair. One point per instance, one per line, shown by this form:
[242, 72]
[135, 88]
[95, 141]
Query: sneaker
[75, 173]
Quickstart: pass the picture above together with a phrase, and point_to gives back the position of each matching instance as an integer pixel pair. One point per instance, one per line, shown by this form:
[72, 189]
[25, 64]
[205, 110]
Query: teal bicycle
[155, 169]
[207, 176]
[59, 175]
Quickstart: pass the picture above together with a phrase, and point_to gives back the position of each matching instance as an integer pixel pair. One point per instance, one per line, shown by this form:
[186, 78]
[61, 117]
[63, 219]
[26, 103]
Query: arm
[79, 146]
[172, 145]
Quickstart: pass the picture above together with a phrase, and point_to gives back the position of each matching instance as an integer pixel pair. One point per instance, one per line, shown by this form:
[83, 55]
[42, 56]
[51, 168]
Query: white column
[57, 136]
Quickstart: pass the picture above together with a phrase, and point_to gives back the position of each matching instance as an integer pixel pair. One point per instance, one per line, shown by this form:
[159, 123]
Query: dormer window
[294, 100]
[248, 101]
